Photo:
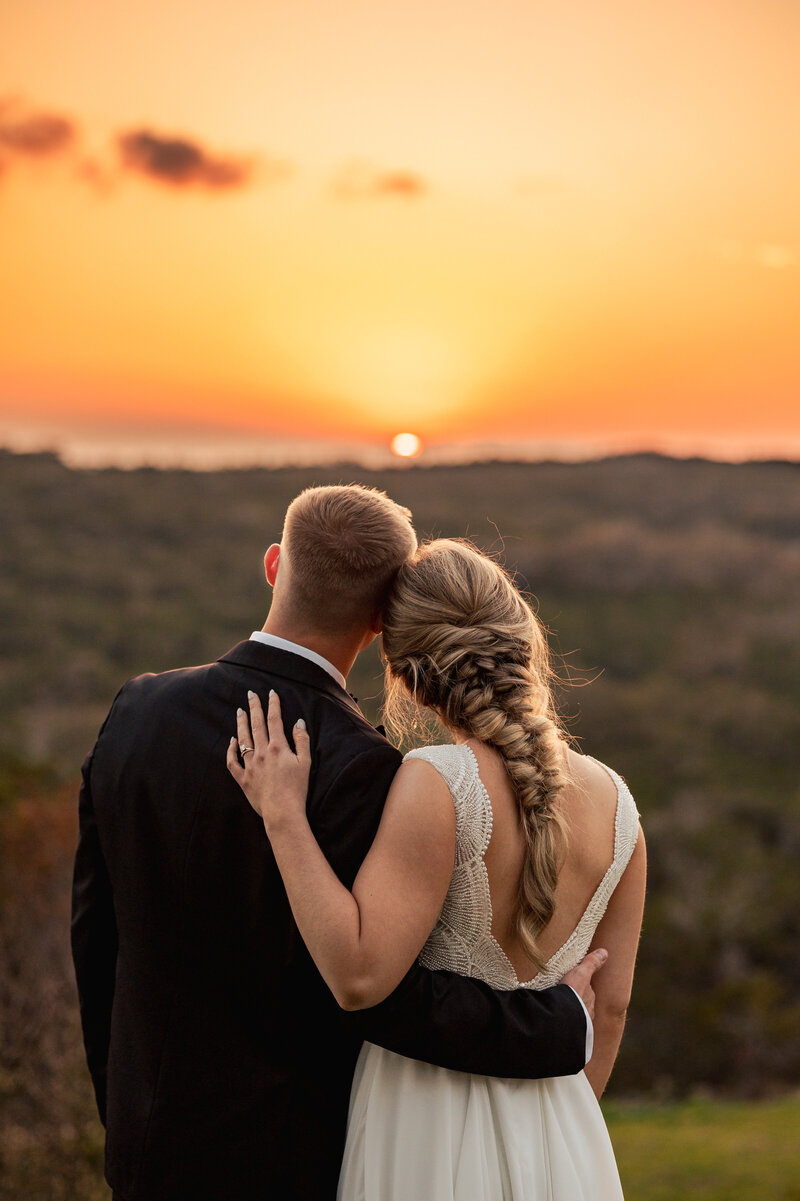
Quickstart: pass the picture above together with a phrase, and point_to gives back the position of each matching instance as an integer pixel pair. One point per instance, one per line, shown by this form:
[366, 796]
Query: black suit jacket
[221, 1062]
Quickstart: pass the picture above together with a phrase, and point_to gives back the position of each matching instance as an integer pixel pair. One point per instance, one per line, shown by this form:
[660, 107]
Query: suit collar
[277, 662]
[305, 652]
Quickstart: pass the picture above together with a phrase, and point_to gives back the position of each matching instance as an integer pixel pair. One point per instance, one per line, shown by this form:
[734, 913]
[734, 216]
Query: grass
[689, 1151]
[708, 1150]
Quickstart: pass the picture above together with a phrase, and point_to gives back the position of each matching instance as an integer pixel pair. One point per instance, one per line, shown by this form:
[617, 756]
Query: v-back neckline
[589, 907]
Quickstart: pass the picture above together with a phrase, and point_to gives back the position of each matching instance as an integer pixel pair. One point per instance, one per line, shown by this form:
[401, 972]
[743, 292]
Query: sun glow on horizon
[406, 446]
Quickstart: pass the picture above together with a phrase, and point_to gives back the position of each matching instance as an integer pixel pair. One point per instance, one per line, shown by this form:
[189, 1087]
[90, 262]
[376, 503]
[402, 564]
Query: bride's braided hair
[460, 640]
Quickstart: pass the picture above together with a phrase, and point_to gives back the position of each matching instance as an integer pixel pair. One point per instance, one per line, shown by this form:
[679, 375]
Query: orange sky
[505, 220]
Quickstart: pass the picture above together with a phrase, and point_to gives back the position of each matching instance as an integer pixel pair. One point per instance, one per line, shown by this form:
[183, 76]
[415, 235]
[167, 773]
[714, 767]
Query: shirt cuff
[589, 1028]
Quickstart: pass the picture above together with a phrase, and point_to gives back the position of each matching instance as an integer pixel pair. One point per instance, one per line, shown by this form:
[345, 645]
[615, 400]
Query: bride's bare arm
[619, 933]
[364, 941]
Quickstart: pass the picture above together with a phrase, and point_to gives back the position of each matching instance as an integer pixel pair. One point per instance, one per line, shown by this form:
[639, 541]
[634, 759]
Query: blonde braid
[460, 639]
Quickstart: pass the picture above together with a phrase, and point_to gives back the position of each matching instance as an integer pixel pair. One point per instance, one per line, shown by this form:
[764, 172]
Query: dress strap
[458, 767]
[626, 823]
[626, 833]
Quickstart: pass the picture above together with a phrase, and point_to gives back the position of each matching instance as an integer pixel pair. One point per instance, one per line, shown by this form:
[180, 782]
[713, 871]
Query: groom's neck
[339, 649]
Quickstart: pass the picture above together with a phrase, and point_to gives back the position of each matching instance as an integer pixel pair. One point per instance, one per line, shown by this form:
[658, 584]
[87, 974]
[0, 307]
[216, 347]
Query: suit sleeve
[461, 1023]
[94, 940]
[439, 1017]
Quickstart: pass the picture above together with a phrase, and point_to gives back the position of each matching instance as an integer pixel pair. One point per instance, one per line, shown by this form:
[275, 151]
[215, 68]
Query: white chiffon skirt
[422, 1133]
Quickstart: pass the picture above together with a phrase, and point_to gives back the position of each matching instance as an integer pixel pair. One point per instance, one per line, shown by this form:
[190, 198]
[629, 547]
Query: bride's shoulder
[422, 791]
[589, 778]
[596, 785]
[436, 752]
[447, 758]
[584, 767]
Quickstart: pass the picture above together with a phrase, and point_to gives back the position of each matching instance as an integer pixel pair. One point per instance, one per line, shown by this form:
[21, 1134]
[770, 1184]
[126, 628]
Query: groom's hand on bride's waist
[580, 978]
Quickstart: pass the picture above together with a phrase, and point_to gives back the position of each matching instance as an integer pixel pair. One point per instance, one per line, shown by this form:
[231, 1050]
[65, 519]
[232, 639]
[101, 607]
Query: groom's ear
[271, 563]
[376, 625]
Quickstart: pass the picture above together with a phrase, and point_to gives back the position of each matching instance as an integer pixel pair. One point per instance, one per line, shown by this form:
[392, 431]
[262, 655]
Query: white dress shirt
[294, 648]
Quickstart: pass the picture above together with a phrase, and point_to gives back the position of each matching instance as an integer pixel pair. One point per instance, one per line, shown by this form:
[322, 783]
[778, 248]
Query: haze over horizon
[521, 225]
[176, 446]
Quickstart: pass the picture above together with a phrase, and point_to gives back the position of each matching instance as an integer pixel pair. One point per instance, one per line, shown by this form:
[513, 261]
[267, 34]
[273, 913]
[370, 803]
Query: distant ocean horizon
[211, 449]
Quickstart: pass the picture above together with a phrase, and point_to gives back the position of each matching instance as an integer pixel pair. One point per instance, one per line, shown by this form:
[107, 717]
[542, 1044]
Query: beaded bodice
[462, 939]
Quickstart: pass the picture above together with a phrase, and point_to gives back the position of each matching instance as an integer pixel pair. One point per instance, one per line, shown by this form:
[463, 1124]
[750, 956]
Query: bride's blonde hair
[460, 640]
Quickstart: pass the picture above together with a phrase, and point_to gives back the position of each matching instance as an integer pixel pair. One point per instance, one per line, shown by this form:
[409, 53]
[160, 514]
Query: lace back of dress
[462, 939]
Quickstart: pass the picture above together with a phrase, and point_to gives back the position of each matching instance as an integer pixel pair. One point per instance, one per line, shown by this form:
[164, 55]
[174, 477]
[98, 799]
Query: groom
[220, 1061]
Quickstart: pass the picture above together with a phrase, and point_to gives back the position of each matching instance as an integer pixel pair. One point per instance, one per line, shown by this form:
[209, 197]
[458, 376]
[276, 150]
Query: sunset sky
[509, 222]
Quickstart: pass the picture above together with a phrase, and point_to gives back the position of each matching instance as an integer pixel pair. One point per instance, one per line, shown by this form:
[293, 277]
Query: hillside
[674, 586]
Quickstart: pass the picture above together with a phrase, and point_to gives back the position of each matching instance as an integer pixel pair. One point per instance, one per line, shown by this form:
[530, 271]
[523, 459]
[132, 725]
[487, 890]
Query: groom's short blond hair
[343, 547]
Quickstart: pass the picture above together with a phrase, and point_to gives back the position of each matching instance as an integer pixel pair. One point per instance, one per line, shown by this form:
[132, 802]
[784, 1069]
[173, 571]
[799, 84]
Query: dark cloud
[33, 135]
[176, 162]
[180, 162]
[363, 181]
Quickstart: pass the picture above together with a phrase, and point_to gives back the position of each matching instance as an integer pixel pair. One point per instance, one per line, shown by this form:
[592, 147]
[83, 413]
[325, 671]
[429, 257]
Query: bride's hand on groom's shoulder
[273, 777]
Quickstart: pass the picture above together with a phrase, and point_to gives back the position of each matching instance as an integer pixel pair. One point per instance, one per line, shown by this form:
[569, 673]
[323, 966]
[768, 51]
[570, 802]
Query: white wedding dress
[422, 1133]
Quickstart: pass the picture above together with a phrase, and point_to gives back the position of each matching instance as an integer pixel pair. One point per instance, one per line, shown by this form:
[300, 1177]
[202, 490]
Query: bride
[506, 856]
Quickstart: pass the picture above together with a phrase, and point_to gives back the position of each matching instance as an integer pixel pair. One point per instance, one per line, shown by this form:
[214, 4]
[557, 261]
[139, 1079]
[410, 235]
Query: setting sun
[406, 446]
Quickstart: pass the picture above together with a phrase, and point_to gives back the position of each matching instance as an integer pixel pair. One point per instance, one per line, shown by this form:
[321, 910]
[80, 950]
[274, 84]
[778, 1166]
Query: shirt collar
[294, 648]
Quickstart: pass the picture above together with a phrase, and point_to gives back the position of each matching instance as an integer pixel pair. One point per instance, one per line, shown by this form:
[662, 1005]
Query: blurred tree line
[671, 590]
